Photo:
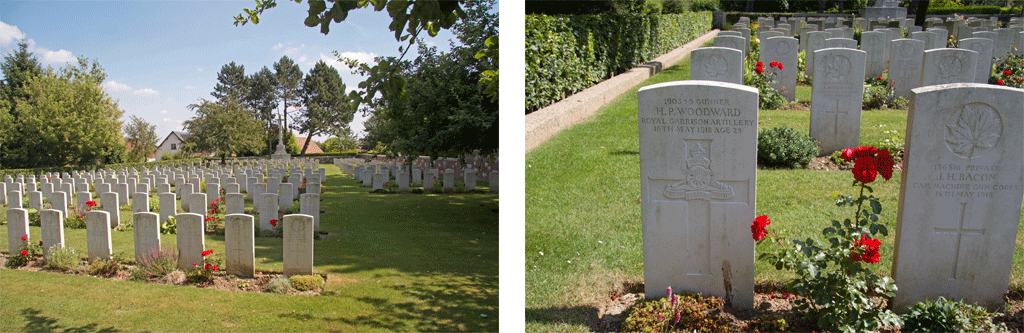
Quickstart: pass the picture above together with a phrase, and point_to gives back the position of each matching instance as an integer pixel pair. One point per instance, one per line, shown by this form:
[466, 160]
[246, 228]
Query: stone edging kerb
[542, 124]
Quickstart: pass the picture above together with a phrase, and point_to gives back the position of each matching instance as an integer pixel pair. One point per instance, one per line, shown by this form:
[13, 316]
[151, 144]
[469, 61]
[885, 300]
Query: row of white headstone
[239, 238]
[378, 175]
[959, 203]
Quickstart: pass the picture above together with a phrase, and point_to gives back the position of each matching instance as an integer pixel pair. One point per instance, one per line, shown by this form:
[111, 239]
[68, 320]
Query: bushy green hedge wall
[994, 10]
[566, 54]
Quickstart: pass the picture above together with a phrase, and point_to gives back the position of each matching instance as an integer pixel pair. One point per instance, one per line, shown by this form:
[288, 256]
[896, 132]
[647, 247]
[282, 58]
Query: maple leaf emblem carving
[950, 67]
[838, 67]
[977, 127]
[716, 66]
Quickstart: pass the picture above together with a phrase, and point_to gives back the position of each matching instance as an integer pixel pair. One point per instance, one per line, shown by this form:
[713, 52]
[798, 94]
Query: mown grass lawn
[583, 227]
[408, 262]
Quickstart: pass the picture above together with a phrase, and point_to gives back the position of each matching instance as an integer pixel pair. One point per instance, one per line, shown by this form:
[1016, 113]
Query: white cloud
[114, 86]
[199, 69]
[163, 111]
[146, 92]
[9, 33]
[277, 47]
[190, 87]
[363, 57]
[172, 121]
[56, 57]
[302, 58]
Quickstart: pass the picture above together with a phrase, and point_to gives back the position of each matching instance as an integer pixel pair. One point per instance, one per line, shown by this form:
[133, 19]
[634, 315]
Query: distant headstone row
[377, 175]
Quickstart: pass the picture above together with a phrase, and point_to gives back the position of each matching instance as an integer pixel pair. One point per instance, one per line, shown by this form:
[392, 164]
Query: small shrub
[683, 312]
[279, 285]
[175, 278]
[24, 256]
[160, 262]
[169, 227]
[136, 274]
[943, 315]
[785, 147]
[768, 323]
[125, 208]
[759, 77]
[106, 267]
[306, 282]
[837, 158]
[33, 218]
[893, 142]
[199, 276]
[75, 221]
[62, 258]
[1010, 72]
[242, 284]
[154, 204]
[884, 98]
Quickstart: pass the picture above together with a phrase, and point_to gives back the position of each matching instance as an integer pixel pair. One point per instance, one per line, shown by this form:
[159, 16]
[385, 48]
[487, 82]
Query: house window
[174, 146]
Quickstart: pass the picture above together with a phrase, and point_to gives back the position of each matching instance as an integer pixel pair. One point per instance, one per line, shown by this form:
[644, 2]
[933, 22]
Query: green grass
[410, 262]
[583, 227]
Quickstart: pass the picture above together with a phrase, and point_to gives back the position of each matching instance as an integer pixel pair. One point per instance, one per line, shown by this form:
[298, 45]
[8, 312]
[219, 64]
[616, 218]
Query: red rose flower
[885, 164]
[24, 253]
[24, 238]
[213, 203]
[758, 227]
[273, 223]
[780, 66]
[90, 203]
[759, 70]
[870, 252]
[878, 78]
[1007, 72]
[207, 267]
[847, 154]
[215, 268]
[207, 252]
[865, 169]
[40, 243]
[1000, 82]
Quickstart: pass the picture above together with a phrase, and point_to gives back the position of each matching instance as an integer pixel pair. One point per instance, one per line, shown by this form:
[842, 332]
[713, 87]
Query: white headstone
[97, 234]
[168, 206]
[14, 199]
[298, 244]
[782, 50]
[836, 95]
[191, 243]
[234, 204]
[268, 210]
[35, 200]
[942, 66]
[109, 202]
[493, 182]
[816, 41]
[17, 226]
[285, 198]
[731, 42]
[698, 185]
[212, 194]
[51, 226]
[984, 65]
[905, 65]
[197, 203]
[712, 64]
[927, 37]
[140, 202]
[239, 245]
[960, 202]
[309, 204]
[848, 43]
[147, 234]
[873, 43]
[449, 180]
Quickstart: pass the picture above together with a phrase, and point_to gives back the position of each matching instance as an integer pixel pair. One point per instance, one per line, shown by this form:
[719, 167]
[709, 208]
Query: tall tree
[223, 128]
[141, 135]
[67, 119]
[18, 68]
[326, 105]
[287, 78]
[231, 83]
[262, 100]
[408, 20]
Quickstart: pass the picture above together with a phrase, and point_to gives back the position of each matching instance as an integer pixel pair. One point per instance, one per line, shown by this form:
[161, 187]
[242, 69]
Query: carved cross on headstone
[693, 196]
[835, 113]
[959, 231]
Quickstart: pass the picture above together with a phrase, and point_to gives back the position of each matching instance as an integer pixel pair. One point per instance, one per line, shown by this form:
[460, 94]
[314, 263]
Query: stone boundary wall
[542, 124]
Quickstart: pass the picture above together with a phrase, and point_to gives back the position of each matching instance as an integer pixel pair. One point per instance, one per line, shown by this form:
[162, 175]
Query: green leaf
[255, 19]
[876, 206]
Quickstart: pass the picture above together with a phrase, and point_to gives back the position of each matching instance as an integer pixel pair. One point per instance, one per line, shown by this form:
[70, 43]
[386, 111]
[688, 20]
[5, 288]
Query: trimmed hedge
[566, 54]
[38, 171]
[995, 10]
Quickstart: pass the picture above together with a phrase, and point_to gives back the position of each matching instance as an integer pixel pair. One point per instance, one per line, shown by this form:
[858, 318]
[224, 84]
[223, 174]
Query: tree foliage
[231, 83]
[288, 81]
[262, 100]
[408, 20]
[326, 105]
[141, 135]
[57, 117]
[223, 128]
[446, 113]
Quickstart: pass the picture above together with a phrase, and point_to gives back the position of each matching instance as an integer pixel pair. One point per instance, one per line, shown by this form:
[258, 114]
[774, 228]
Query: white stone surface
[298, 244]
[51, 226]
[147, 234]
[17, 226]
[197, 204]
[873, 43]
[941, 66]
[190, 240]
[109, 202]
[168, 206]
[239, 245]
[268, 210]
[285, 197]
[698, 185]
[782, 50]
[815, 41]
[309, 204]
[836, 95]
[493, 182]
[140, 202]
[905, 65]
[234, 203]
[984, 64]
[960, 202]
[731, 42]
[97, 234]
[714, 64]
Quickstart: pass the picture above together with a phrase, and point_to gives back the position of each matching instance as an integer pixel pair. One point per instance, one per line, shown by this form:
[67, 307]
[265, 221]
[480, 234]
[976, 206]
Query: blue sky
[161, 56]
